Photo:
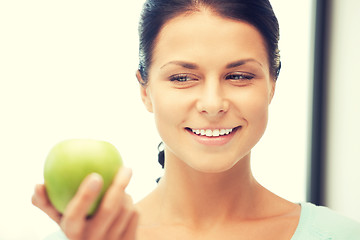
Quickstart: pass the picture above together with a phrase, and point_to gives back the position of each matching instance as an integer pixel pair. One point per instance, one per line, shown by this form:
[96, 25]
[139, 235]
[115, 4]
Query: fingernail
[95, 182]
[126, 172]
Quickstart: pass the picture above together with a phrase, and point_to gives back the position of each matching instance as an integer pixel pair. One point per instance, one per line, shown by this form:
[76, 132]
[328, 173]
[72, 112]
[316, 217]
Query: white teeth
[209, 133]
[212, 133]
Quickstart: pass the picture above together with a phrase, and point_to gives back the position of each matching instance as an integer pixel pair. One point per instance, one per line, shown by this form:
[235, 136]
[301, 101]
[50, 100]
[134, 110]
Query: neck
[199, 198]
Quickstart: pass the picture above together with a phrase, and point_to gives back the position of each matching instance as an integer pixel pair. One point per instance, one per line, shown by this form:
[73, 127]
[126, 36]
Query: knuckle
[71, 232]
[34, 201]
[73, 235]
[135, 214]
[37, 201]
[129, 199]
[86, 196]
[109, 208]
[114, 205]
[112, 235]
[129, 206]
[68, 220]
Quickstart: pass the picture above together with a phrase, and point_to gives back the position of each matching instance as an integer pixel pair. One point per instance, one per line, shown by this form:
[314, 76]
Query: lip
[213, 140]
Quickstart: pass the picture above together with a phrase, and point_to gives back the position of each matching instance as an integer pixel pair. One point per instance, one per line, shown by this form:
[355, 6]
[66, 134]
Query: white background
[67, 70]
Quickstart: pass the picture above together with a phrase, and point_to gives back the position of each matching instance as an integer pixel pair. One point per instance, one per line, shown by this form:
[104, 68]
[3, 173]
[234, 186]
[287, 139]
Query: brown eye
[182, 78]
[239, 76]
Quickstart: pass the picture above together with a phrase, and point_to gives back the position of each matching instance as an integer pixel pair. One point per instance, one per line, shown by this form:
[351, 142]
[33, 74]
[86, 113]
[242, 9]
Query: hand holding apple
[116, 217]
[70, 161]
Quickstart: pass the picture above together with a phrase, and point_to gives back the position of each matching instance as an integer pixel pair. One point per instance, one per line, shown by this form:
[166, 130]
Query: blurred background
[67, 70]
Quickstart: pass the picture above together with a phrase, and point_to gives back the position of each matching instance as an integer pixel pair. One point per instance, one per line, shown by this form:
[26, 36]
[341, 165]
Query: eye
[182, 78]
[239, 76]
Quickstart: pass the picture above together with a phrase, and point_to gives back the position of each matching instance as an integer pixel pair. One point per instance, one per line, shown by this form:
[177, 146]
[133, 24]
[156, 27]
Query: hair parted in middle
[259, 13]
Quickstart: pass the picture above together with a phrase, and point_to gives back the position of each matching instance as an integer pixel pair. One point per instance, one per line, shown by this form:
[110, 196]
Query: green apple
[70, 161]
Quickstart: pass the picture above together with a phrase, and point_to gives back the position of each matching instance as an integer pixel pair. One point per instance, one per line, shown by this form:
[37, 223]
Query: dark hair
[258, 13]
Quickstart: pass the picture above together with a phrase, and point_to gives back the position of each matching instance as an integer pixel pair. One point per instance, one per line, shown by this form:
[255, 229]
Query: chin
[212, 170]
[214, 165]
[205, 161]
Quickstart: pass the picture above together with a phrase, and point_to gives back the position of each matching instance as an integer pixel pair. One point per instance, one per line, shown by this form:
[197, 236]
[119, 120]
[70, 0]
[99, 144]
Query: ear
[272, 90]
[144, 92]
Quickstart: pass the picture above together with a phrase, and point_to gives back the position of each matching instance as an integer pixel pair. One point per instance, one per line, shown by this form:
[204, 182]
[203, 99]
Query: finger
[122, 220]
[41, 200]
[122, 178]
[74, 218]
[111, 205]
[131, 229]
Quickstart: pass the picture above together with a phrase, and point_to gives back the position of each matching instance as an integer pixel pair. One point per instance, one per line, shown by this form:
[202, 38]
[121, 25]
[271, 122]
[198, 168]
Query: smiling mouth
[213, 132]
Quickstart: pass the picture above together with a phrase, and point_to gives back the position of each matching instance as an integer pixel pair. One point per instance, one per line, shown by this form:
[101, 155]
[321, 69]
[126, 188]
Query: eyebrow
[241, 62]
[189, 65]
[182, 64]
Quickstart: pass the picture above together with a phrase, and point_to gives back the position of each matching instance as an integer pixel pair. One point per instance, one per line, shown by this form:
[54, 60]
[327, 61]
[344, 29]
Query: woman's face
[209, 89]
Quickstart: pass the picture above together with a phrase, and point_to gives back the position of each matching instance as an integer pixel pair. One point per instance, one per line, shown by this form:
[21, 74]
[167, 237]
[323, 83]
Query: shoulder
[56, 236]
[318, 222]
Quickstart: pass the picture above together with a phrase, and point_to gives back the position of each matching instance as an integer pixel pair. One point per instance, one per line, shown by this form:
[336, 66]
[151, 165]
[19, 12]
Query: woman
[207, 72]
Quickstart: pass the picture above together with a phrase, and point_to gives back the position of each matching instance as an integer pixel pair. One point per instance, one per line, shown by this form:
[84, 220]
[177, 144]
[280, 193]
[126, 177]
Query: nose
[212, 101]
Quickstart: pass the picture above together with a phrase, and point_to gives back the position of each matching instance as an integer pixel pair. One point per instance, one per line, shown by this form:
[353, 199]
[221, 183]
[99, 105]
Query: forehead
[204, 37]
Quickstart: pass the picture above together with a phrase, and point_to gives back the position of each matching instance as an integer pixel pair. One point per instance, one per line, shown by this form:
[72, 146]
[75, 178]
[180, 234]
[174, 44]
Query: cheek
[168, 113]
[258, 110]
[254, 108]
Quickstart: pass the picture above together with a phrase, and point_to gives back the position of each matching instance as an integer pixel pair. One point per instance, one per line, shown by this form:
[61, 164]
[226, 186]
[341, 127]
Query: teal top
[321, 223]
[316, 223]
